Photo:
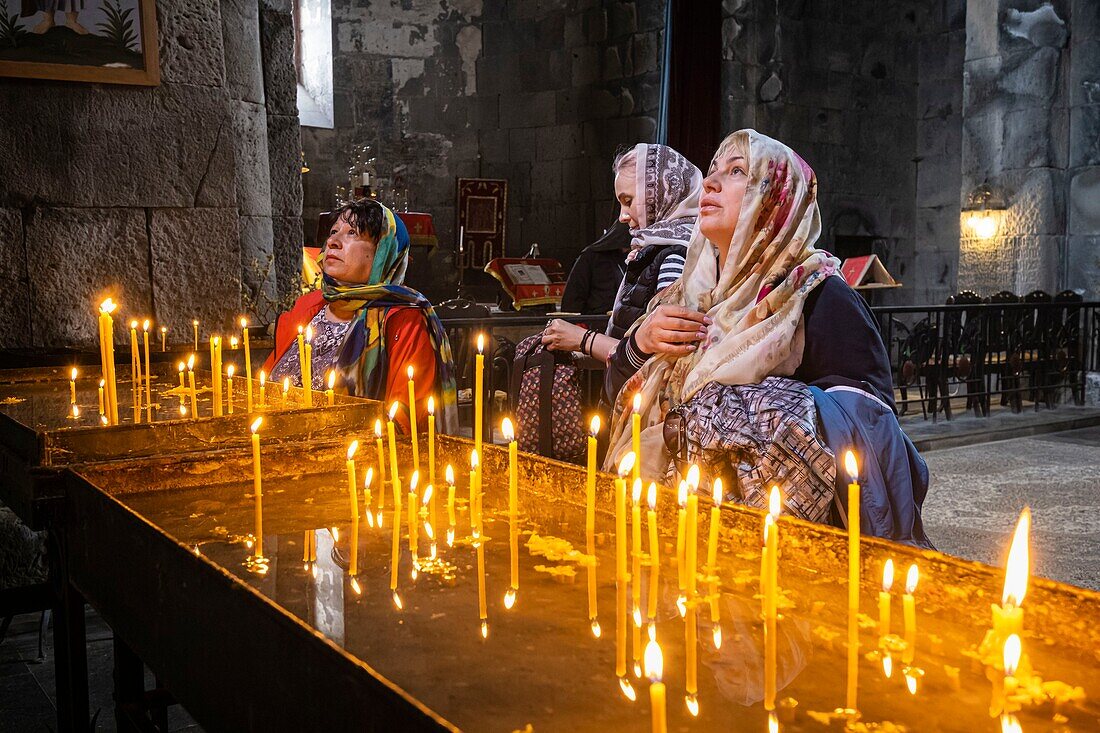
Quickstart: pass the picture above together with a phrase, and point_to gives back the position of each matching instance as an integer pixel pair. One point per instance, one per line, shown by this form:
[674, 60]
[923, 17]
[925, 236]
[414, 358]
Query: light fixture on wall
[985, 207]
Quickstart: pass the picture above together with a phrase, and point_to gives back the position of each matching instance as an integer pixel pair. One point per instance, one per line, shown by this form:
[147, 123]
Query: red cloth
[407, 342]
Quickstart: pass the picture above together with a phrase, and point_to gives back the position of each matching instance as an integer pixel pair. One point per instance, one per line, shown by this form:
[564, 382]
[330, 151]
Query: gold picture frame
[34, 31]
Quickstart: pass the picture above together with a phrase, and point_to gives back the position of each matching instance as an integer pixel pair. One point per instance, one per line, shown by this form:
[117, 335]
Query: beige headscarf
[755, 302]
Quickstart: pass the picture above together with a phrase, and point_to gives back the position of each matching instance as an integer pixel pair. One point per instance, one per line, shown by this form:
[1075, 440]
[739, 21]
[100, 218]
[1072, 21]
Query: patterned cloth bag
[546, 397]
[754, 436]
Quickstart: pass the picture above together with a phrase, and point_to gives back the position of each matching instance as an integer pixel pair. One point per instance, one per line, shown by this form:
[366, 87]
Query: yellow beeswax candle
[909, 613]
[654, 554]
[513, 513]
[590, 525]
[449, 475]
[884, 599]
[72, 387]
[353, 483]
[717, 496]
[148, 374]
[195, 327]
[475, 525]
[368, 495]
[257, 487]
[414, 525]
[112, 381]
[1008, 618]
[770, 550]
[381, 466]
[625, 468]
[191, 385]
[654, 668]
[412, 419]
[1011, 658]
[216, 375]
[247, 365]
[482, 610]
[286, 392]
[307, 369]
[479, 378]
[691, 549]
[330, 393]
[681, 525]
[852, 468]
[263, 388]
[636, 574]
[135, 372]
[636, 435]
[164, 338]
[431, 456]
[302, 351]
[101, 383]
[229, 370]
[395, 478]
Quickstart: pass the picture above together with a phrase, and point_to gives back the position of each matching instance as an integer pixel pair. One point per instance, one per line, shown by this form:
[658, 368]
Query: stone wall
[156, 195]
[540, 92]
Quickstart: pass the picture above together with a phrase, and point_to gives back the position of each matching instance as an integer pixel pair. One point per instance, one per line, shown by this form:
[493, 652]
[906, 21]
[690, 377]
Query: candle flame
[145, 325]
[409, 371]
[286, 385]
[626, 465]
[637, 669]
[594, 426]
[911, 579]
[414, 481]
[1009, 724]
[103, 418]
[1019, 562]
[449, 474]
[887, 665]
[397, 601]
[133, 325]
[378, 429]
[507, 430]
[652, 631]
[427, 497]
[775, 502]
[596, 630]
[229, 370]
[910, 682]
[370, 516]
[73, 375]
[393, 410]
[850, 465]
[636, 491]
[216, 340]
[181, 366]
[628, 689]
[637, 402]
[103, 383]
[510, 598]
[450, 537]
[717, 492]
[692, 703]
[480, 343]
[693, 477]
[256, 425]
[309, 333]
[263, 377]
[191, 362]
[484, 629]
[682, 494]
[183, 413]
[233, 342]
[773, 723]
[313, 570]
[164, 329]
[431, 405]
[637, 616]
[888, 576]
[301, 329]
[108, 306]
[474, 462]
[1012, 654]
[352, 448]
[355, 587]
[716, 636]
[331, 378]
[244, 322]
[76, 410]
[651, 496]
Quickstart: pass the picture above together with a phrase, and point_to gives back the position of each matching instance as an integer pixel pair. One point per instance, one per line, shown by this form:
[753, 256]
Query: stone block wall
[540, 92]
[155, 195]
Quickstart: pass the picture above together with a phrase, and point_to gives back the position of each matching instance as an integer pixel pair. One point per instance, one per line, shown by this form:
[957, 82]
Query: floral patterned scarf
[361, 361]
[755, 302]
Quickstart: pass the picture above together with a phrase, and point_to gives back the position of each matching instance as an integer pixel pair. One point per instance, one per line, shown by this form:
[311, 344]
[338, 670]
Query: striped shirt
[671, 270]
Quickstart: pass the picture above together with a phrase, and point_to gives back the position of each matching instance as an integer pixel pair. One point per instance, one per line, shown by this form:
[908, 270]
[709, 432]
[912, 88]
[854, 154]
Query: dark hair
[364, 215]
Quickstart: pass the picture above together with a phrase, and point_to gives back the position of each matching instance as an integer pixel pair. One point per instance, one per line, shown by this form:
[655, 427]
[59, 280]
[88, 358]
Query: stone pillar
[1083, 237]
[1014, 136]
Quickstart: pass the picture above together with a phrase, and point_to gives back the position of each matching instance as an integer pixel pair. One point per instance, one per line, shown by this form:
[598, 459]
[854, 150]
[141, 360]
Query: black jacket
[596, 274]
[640, 285]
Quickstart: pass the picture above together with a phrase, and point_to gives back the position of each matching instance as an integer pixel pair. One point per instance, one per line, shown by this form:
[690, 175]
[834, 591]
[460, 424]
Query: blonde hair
[735, 142]
[628, 159]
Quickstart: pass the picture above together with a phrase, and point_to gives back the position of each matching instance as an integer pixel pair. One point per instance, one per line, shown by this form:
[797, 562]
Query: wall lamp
[985, 207]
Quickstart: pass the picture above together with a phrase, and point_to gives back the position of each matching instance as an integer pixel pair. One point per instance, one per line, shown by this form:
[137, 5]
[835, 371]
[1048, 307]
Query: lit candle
[626, 466]
[330, 393]
[909, 611]
[263, 387]
[479, 376]
[513, 512]
[195, 326]
[590, 524]
[164, 338]
[1008, 618]
[654, 667]
[681, 522]
[771, 541]
[1012, 652]
[286, 392]
[691, 549]
[852, 468]
[233, 343]
[395, 546]
[102, 414]
[414, 526]
[72, 388]
[181, 367]
[148, 373]
[654, 556]
[302, 352]
[191, 385]
[431, 456]
[636, 434]
[105, 310]
[247, 364]
[353, 483]
[135, 372]
[412, 418]
[216, 374]
[449, 474]
[368, 496]
[636, 573]
[307, 368]
[482, 611]
[395, 478]
[257, 487]
[381, 467]
[717, 496]
[229, 386]
[884, 599]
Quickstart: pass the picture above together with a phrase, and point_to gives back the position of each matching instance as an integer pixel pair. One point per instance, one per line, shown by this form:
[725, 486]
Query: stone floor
[976, 494]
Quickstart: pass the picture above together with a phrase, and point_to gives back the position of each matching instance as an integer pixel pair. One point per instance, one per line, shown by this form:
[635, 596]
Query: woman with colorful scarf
[367, 325]
[761, 363]
[658, 193]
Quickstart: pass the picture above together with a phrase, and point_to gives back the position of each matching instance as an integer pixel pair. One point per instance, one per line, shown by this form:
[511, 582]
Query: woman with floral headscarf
[367, 325]
[658, 193]
[761, 363]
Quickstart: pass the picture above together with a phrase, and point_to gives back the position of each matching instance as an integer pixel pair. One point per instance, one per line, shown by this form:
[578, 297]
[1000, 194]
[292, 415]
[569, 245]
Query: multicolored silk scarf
[361, 362]
[755, 302]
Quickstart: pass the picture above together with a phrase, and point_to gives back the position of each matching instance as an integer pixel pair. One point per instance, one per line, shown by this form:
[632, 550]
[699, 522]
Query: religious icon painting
[110, 41]
[482, 214]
